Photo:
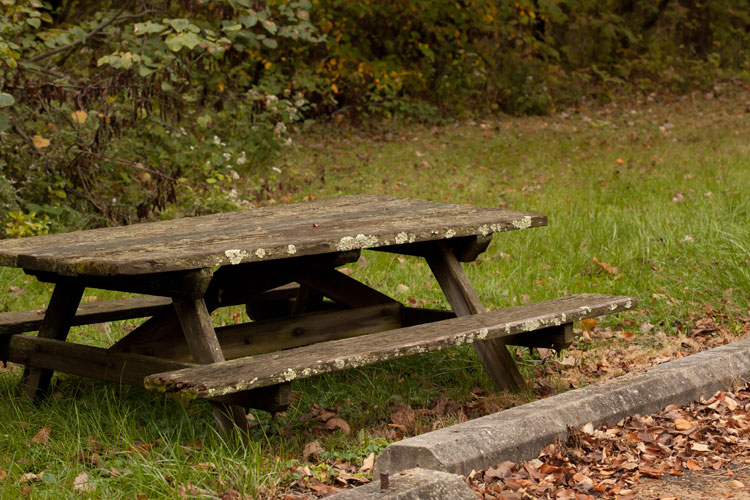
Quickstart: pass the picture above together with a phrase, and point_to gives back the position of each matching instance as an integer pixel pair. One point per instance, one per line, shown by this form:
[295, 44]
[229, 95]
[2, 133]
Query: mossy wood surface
[267, 369]
[89, 313]
[262, 234]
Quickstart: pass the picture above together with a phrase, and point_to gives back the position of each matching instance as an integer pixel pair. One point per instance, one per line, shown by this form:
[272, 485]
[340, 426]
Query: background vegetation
[656, 189]
[115, 112]
[112, 113]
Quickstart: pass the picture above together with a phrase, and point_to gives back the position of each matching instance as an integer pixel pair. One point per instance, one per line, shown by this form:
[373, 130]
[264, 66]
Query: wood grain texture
[342, 289]
[464, 301]
[87, 314]
[258, 337]
[268, 369]
[56, 324]
[262, 234]
[118, 367]
[200, 336]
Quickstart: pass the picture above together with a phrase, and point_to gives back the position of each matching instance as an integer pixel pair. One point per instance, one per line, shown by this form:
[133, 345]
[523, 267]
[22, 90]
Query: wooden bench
[220, 379]
[87, 314]
[14, 322]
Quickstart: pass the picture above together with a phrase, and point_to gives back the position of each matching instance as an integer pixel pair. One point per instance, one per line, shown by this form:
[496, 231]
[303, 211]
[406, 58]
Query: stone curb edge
[413, 484]
[520, 433]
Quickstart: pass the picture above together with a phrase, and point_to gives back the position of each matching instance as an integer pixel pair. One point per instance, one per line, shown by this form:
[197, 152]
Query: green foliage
[25, 224]
[107, 114]
[116, 113]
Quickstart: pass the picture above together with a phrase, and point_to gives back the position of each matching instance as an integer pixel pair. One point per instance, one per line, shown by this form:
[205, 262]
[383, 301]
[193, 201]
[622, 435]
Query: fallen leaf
[313, 448]
[368, 464]
[41, 437]
[338, 423]
[730, 403]
[607, 267]
[79, 116]
[699, 447]
[29, 476]
[82, 482]
[692, 465]
[502, 471]
[568, 361]
[40, 142]
[736, 485]
[646, 327]
[324, 489]
[588, 324]
[401, 287]
[682, 425]
[629, 336]
[3, 474]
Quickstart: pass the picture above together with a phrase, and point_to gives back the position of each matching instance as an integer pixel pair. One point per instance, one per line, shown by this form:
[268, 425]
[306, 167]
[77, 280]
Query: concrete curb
[520, 433]
[414, 484]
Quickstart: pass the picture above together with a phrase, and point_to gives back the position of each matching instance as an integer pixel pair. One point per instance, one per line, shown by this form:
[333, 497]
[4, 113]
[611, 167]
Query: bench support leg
[464, 301]
[204, 346]
[55, 325]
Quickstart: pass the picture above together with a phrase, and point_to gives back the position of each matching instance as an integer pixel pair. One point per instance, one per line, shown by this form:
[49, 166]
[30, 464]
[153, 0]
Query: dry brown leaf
[29, 476]
[699, 447]
[41, 437]
[730, 403]
[568, 361]
[736, 485]
[313, 448]
[629, 336]
[502, 470]
[40, 142]
[82, 482]
[79, 116]
[338, 423]
[3, 474]
[368, 464]
[606, 267]
[692, 465]
[588, 324]
[682, 425]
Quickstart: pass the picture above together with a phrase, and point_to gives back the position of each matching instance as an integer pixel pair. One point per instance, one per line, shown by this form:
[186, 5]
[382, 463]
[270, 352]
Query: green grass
[606, 177]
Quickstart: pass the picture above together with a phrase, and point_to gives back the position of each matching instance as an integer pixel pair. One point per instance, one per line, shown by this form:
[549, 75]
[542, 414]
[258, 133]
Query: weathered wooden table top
[277, 232]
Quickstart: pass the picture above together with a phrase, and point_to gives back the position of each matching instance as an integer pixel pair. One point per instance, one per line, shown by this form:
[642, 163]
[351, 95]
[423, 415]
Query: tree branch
[91, 33]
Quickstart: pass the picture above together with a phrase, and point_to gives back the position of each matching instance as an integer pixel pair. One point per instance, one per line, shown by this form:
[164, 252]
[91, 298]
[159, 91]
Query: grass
[658, 189]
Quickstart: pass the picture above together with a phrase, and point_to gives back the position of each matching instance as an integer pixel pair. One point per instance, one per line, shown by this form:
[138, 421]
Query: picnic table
[308, 318]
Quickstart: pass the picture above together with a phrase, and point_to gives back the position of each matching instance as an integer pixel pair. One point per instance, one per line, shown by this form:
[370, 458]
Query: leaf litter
[653, 448]
[611, 461]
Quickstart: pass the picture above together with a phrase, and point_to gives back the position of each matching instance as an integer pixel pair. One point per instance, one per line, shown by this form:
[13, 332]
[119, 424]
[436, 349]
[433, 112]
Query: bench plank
[267, 369]
[118, 367]
[89, 313]
[257, 235]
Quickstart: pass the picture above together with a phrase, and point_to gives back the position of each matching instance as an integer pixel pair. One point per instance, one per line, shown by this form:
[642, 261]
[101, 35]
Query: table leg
[56, 324]
[464, 301]
[204, 346]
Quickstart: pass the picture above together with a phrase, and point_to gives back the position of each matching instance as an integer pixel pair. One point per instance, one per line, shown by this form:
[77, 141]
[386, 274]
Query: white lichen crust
[235, 256]
[523, 223]
[360, 241]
